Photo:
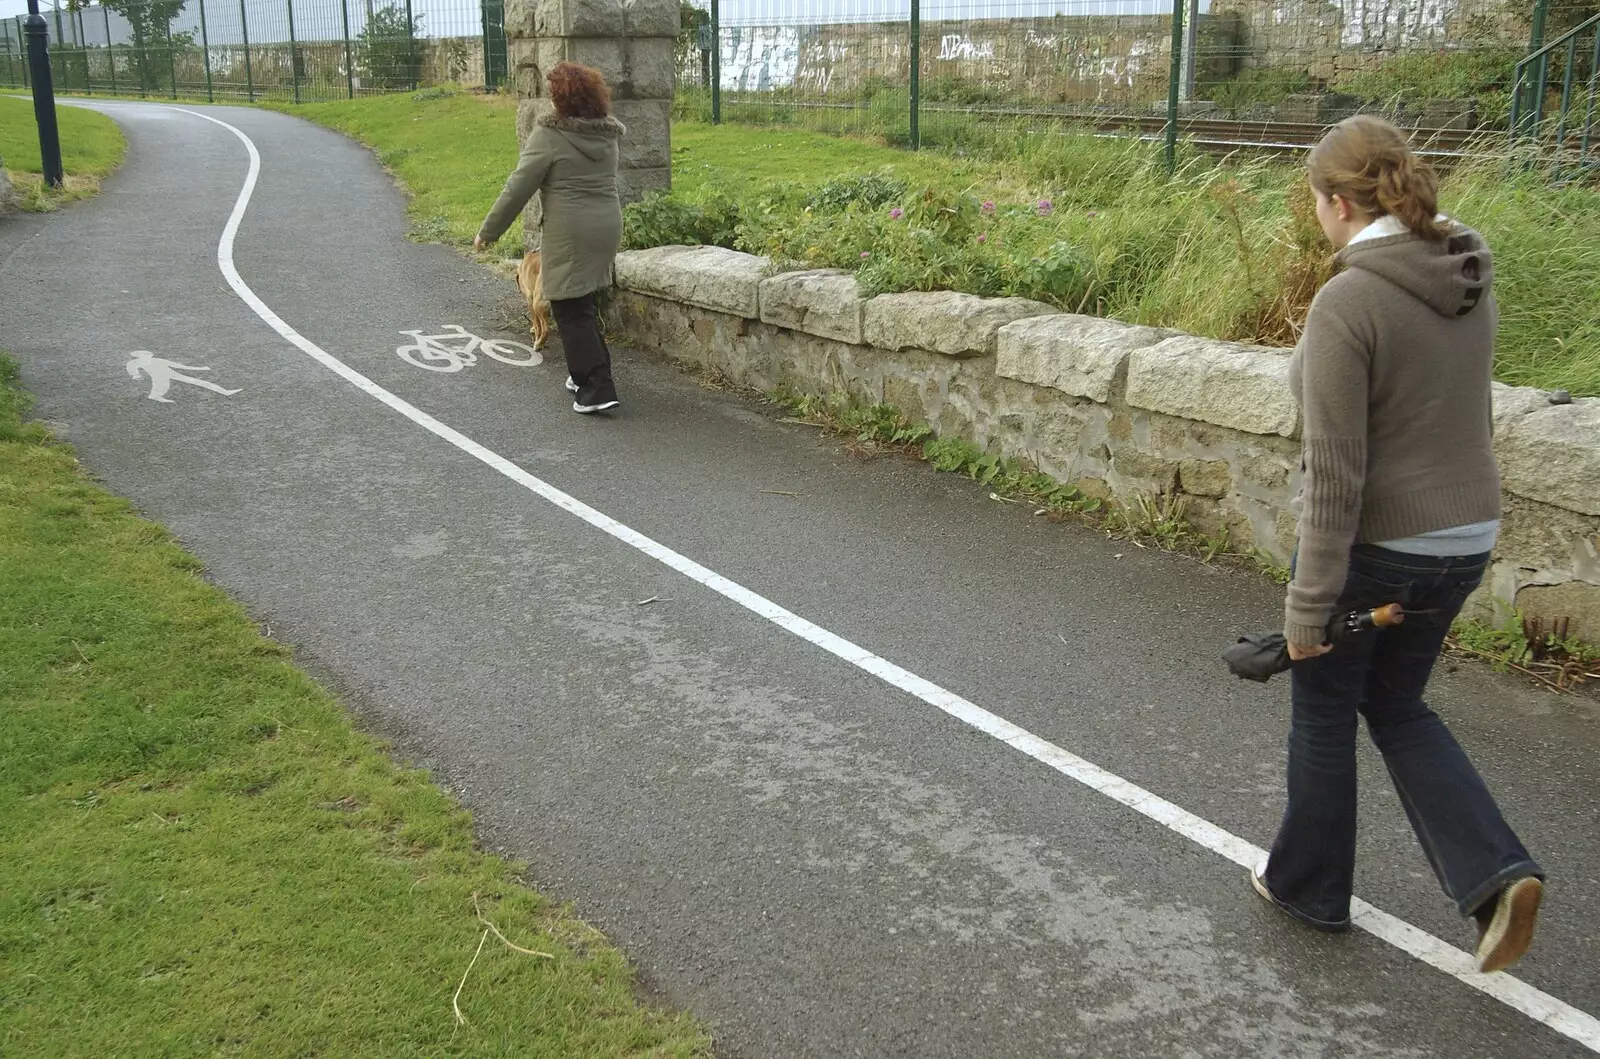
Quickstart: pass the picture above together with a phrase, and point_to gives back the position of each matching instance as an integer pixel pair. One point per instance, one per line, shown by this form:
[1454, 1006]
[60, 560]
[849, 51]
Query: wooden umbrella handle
[1387, 615]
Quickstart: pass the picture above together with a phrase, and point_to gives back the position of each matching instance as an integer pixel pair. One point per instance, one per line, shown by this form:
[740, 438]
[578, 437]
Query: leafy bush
[1270, 85]
[960, 91]
[866, 189]
[660, 219]
[391, 57]
[1481, 74]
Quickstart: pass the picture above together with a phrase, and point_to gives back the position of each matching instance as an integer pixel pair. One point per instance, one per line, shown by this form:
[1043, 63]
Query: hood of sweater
[1450, 277]
[590, 136]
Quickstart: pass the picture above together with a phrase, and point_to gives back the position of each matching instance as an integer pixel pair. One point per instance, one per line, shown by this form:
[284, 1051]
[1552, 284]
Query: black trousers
[588, 359]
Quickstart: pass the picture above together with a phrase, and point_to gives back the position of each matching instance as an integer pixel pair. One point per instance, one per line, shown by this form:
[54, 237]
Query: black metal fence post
[294, 54]
[59, 49]
[349, 64]
[716, 63]
[916, 74]
[172, 62]
[1541, 12]
[83, 50]
[1174, 83]
[111, 51]
[205, 50]
[244, 31]
[411, 45]
[44, 96]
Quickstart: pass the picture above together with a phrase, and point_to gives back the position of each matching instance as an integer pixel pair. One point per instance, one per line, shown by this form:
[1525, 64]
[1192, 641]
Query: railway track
[1218, 135]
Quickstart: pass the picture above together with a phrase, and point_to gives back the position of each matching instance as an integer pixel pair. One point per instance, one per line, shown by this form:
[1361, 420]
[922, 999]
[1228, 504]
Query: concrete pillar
[631, 42]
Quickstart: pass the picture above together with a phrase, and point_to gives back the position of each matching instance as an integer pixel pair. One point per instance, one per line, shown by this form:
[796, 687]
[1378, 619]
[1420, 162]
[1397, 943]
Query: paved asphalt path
[814, 861]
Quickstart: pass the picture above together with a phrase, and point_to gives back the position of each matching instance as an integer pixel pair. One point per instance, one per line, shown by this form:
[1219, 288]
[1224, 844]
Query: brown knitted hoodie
[1392, 375]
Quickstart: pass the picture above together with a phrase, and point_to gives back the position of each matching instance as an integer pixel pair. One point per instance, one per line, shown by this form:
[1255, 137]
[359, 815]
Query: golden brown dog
[530, 281]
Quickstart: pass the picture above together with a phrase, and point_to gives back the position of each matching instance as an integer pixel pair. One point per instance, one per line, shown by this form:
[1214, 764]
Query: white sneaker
[1509, 930]
[572, 387]
[590, 409]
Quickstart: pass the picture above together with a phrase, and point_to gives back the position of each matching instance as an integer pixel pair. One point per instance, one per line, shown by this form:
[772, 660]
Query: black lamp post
[44, 94]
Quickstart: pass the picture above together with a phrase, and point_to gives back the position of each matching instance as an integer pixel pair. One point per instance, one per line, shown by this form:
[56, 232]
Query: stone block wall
[1328, 38]
[1067, 59]
[631, 43]
[1114, 409]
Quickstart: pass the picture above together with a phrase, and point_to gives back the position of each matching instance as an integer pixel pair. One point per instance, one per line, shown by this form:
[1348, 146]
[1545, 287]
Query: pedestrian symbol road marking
[456, 348]
[163, 373]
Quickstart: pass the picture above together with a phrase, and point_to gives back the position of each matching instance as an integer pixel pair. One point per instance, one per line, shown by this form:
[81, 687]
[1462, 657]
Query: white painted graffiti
[1384, 23]
[456, 348]
[760, 58]
[961, 46]
[162, 373]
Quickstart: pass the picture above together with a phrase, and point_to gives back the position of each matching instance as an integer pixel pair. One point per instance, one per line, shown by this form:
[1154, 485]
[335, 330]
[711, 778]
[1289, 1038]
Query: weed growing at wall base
[1519, 645]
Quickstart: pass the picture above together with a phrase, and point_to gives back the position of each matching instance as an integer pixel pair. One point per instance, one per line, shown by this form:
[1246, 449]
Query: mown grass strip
[203, 856]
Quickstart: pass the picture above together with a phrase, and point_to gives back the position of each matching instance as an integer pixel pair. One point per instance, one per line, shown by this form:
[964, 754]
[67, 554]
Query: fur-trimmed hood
[592, 136]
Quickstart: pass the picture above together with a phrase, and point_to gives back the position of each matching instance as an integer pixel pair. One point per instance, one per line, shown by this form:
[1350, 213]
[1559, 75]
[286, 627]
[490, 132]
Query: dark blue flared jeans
[1381, 676]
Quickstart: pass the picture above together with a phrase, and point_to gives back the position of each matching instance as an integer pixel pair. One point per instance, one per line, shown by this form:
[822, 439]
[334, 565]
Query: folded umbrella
[1257, 656]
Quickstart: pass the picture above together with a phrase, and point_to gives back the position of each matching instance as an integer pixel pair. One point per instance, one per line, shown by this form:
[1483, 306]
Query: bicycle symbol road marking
[457, 348]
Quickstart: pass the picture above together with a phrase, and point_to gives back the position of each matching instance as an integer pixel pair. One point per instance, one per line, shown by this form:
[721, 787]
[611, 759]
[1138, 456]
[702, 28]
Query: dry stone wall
[1114, 409]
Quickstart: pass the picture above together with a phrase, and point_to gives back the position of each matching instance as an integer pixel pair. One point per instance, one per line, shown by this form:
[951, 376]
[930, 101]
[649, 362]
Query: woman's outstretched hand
[478, 243]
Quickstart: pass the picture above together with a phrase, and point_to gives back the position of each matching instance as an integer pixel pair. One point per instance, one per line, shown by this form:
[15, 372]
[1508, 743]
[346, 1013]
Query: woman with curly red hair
[571, 158]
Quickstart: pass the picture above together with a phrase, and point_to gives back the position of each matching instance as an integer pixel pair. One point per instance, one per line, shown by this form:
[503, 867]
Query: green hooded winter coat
[573, 162]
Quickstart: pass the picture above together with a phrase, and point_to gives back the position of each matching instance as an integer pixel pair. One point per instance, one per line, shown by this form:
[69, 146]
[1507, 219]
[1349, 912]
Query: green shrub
[960, 91]
[1270, 85]
[661, 219]
[391, 49]
[1481, 74]
[865, 189]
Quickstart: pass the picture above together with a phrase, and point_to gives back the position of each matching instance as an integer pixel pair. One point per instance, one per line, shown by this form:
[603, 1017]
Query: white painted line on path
[1565, 1019]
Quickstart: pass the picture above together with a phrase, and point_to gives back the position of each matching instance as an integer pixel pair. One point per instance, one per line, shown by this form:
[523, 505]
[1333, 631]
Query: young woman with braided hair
[1400, 503]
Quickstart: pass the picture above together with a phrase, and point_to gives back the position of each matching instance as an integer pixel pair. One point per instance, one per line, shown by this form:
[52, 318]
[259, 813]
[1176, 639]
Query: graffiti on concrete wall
[1394, 23]
[960, 46]
[760, 58]
[1095, 59]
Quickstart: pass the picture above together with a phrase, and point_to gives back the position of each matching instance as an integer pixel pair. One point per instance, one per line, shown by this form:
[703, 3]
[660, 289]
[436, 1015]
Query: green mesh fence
[302, 50]
[981, 65]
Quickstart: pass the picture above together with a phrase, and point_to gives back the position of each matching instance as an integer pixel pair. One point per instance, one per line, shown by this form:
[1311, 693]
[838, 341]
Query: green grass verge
[1225, 249]
[91, 147]
[202, 856]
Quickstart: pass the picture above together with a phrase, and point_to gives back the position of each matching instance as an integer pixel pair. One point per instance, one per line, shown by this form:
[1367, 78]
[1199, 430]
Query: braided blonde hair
[1367, 162]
